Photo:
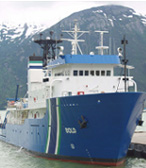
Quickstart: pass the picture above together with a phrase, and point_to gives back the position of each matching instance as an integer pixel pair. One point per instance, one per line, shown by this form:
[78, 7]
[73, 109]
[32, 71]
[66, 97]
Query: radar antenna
[74, 41]
[48, 45]
[101, 47]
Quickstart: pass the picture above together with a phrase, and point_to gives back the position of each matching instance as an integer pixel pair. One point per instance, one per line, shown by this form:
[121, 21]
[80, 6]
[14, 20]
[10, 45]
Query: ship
[76, 108]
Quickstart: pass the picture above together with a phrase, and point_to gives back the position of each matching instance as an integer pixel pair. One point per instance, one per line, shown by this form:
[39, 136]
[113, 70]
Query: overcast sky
[50, 12]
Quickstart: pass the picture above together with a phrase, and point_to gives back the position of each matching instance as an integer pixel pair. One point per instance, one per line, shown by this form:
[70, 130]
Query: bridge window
[97, 73]
[81, 73]
[86, 73]
[108, 73]
[75, 73]
[102, 73]
[92, 73]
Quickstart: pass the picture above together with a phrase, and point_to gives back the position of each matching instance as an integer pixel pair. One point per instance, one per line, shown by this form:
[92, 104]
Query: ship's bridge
[84, 74]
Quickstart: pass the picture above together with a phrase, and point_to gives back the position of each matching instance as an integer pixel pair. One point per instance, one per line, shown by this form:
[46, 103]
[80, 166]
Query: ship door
[35, 115]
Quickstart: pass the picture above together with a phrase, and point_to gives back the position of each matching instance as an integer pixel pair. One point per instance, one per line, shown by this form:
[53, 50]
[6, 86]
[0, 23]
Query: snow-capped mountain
[10, 32]
[106, 17]
[15, 47]
[120, 15]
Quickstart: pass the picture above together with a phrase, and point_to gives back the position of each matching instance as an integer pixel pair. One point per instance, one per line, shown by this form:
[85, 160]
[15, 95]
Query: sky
[50, 12]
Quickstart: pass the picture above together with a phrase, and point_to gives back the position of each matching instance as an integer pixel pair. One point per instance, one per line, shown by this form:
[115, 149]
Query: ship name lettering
[70, 130]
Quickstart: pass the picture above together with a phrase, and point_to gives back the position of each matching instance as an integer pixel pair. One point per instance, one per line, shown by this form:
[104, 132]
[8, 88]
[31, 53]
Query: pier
[137, 147]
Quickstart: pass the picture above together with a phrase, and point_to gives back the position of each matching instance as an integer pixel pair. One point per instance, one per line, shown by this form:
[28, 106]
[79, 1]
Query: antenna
[74, 41]
[124, 42]
[48, 45]
[16, 97]
[101, 47]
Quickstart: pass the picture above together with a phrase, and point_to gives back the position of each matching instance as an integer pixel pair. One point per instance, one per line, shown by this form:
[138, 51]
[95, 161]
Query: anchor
[83, 122]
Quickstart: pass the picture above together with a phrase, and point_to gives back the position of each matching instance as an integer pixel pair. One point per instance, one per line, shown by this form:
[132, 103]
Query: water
[14, 157]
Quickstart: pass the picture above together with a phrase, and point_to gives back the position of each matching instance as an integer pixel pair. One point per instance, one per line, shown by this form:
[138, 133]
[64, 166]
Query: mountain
[15, 47]
[16, 43]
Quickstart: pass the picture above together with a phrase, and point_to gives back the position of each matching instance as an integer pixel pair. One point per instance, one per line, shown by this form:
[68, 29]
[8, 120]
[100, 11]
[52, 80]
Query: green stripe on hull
[59, 126]
[35, 62]
[48, 132]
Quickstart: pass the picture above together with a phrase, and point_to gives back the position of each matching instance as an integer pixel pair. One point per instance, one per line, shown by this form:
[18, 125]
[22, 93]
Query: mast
[48, 45]
[124, 42]
[17, 89]
[101, 47]
[75, 34]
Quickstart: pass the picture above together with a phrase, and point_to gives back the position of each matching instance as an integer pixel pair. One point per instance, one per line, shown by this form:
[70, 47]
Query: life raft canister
[12, 103]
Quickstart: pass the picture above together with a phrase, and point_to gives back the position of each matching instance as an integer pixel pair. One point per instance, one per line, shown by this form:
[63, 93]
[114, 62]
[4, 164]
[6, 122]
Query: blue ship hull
[94, 129]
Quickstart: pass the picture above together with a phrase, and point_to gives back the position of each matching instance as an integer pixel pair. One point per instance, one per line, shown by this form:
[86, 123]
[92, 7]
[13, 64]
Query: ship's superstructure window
[49, 73]
[59, 74]
[46, 80]
[63, 73]
[81, 73]
[75, 73]
[108, 73]
[102, 73]
[45, 73]
[97, 73]
[86, 73]
[92, 73]
[69, 93]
